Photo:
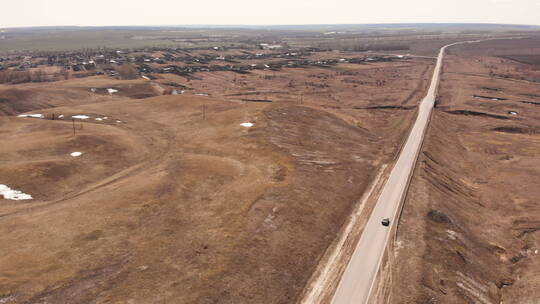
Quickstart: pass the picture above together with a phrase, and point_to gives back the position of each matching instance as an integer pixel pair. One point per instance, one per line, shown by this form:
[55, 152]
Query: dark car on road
[385, 221]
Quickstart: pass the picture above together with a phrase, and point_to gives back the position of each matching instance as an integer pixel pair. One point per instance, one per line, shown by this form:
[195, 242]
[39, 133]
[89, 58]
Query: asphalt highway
[359, 276]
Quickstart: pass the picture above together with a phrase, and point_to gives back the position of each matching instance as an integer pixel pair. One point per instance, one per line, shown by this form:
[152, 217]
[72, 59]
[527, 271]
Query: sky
[21, 13]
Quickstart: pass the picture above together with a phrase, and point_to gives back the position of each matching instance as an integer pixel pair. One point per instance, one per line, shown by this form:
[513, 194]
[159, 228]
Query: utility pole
[245, 111]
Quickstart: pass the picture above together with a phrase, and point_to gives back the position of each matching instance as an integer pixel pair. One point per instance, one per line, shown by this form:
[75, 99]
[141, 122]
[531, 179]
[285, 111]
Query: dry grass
[468, 231]
[168, 207]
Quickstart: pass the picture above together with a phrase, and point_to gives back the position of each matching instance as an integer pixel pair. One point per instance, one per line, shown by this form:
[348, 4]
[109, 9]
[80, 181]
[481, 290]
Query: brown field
[469, 229]
[172, 201]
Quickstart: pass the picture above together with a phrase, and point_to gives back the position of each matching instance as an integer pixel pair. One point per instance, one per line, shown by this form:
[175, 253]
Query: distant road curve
[359, 276]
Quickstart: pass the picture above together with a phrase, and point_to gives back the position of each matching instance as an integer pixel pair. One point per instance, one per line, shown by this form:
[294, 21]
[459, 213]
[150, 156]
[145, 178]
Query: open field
[172, 200]
[183, 165]
[468, 233]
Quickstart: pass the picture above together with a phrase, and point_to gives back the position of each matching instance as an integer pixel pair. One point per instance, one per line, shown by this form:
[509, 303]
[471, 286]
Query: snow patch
[452, 234]
[146, 77]
[76, 154]
[11, 194]
[80, 116]
[112, 91]
[247, 124]
[99, 119]
[61, 116]
[32, 115]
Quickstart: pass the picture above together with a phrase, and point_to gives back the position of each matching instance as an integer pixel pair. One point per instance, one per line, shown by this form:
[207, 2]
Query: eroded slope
[468, 232]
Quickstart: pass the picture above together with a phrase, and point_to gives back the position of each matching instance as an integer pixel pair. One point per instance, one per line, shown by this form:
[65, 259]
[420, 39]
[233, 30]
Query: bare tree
[127, 71]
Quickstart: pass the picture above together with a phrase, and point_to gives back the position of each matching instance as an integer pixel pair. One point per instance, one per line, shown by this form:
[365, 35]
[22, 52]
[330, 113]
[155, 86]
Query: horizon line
[202, 25]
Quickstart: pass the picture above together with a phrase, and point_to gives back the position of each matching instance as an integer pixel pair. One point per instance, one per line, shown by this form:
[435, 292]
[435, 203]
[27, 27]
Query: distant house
[100, 59]
[266, 46]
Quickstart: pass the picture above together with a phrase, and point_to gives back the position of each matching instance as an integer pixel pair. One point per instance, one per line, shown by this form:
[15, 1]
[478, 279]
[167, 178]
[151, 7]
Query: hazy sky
[176, 12]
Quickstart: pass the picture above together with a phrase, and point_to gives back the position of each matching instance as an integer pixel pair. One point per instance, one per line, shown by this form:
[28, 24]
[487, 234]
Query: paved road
[359, 276]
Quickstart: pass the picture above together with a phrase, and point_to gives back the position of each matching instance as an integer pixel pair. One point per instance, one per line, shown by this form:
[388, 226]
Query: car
[385, 221]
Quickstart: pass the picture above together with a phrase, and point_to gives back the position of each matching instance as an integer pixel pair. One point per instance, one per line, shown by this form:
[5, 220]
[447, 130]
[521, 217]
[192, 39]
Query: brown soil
[168, 207]
[469, 229]
[16, 99]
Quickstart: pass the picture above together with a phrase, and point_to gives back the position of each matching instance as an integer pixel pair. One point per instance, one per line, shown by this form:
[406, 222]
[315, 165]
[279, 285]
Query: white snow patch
[146, 77]
[93, 90]
[112, 91]
[32, 115]
[11, 194]
[61, 116]
[247, 124]
[512, 113]
[80, 116]
[76, 154]
[451, 234]
[99, 119]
